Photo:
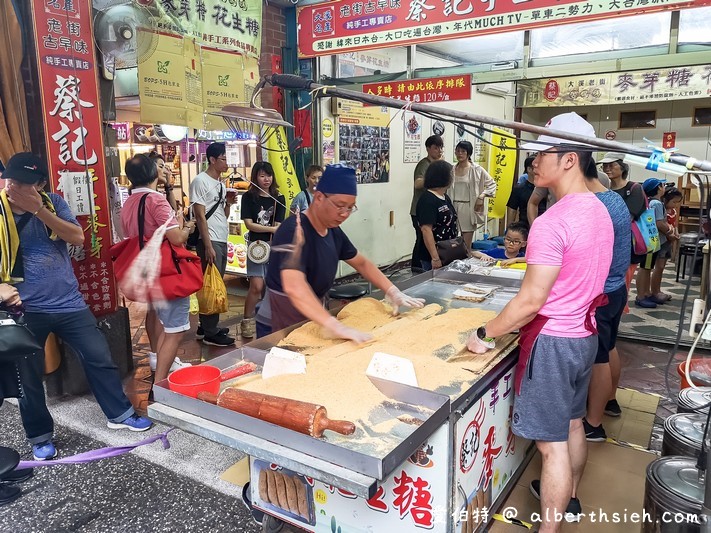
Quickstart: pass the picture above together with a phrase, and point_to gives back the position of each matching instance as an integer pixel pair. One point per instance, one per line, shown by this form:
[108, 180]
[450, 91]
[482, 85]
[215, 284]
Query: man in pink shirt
[569, 254]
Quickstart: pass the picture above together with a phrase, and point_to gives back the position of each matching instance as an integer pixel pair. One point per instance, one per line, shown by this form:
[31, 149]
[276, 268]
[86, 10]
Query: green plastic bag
[212, 298]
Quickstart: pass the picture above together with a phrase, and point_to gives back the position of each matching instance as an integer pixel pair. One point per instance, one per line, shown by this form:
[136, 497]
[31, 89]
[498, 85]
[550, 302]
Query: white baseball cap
[568, 123]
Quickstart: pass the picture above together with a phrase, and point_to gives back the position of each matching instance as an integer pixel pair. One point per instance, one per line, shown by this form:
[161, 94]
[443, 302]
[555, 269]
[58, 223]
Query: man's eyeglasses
[511, 241]
[342, 209]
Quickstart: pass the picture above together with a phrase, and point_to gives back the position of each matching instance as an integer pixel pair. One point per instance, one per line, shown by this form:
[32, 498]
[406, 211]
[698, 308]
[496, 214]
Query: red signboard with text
[348, 25]
[424, 90]
[75, 147]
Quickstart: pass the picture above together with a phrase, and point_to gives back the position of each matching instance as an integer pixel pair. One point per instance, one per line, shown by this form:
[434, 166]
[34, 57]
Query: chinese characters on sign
[73, 128]
[350, 25]
[231, 24]
[424, 91]
[502, 159]
[678, 83]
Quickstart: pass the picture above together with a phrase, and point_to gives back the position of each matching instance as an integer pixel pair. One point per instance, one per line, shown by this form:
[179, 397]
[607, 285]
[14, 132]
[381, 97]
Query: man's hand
[210, 255]
[9, 295]
[436, 263]
[396, 298]
[26, 198]
[477, 345]
[339, 330]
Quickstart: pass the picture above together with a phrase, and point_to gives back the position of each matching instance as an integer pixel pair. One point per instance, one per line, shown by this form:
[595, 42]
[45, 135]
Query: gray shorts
[554, 390]
[174, 314]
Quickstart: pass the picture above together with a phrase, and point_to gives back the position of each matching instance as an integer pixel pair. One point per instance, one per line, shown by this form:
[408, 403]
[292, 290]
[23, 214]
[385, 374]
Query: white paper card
[279, 361]
[393, 368]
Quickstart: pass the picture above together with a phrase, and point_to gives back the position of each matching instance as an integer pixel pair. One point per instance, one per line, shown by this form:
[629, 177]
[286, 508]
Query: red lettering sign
[669, 140]
[424, 90]
[348, 25]
[75, 147]
[412, 496]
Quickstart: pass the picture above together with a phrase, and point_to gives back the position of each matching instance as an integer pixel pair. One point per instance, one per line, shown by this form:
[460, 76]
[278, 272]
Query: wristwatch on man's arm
[479, 342]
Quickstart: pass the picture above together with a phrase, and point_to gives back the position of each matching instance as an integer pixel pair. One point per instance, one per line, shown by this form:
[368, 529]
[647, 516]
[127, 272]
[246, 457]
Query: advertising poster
[169, 84]
[75, 146]
[329, 143]
[502, 163]
[424, 90]
[354, 25]
[653, 85]
[412, 146]
[488, 452]
[231, 24]
[222, 84]
[364, 141]
[413, 498]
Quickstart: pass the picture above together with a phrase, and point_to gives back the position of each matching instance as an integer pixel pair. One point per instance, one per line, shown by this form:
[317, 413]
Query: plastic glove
[339, 330]
[477, 345]
[395, 297]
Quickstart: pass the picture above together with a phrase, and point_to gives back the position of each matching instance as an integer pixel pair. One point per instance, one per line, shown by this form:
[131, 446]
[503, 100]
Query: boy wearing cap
[299, 279]
[555, 312]
[41, 270]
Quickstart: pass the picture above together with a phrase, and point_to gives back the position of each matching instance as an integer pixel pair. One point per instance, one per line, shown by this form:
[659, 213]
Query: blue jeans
[79, 330]
[426, 265]
[263, 330]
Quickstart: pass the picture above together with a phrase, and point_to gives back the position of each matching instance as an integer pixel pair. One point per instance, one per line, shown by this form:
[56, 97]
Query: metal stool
[687, 250]
[346, 293]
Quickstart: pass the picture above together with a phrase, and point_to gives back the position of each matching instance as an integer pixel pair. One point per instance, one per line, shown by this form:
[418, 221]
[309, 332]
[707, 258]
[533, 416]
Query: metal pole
[287, 81]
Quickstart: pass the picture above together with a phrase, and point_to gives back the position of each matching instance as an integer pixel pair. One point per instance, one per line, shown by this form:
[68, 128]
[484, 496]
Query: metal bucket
[673, 496]
[682, 434]
[690, 400]
[688, 239]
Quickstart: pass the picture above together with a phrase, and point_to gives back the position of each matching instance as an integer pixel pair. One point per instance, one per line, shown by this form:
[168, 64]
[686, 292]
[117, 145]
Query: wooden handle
[240, 370]
[303, 417]
[207, 397]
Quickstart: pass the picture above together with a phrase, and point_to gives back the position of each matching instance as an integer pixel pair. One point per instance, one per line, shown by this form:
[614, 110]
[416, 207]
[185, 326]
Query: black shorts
[608, 322]
[645, 261]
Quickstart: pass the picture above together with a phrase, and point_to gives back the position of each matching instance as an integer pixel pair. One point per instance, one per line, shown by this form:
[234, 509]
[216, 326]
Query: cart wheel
[271, 524]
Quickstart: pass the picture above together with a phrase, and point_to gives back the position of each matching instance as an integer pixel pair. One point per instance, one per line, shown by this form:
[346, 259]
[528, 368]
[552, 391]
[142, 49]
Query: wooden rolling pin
[304, 417]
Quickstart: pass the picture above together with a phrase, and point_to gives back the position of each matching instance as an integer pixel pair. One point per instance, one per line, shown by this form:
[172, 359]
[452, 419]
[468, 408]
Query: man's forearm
[66, 231]
[516, 314]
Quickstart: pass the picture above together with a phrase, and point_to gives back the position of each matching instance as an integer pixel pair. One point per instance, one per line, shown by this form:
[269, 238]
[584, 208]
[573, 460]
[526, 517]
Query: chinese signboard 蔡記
[653, 85]
[502, 162]
[348, 25]
[75, 147]
[229, 24]
[425, 90]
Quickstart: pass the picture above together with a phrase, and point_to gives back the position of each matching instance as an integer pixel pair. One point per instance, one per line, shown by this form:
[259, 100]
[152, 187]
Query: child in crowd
[672, 201]
[664, 200]
[514, 243]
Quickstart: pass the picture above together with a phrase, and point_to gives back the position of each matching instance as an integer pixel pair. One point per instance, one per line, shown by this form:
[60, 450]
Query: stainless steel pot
[673, 496]
[690, 400]
[682, 434]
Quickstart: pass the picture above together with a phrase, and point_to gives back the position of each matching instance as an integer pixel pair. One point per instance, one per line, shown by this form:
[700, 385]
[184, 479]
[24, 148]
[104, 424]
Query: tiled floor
[661, 324]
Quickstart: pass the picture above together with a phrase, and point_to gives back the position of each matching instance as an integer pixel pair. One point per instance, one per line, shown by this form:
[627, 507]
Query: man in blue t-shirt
[53, 303]
[606, 370]
[306, 250]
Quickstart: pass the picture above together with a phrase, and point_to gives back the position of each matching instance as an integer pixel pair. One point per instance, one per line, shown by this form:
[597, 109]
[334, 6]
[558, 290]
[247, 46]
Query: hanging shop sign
[277, 151]
[669, 140]
[502, 160]
[231, 24]
[364, 141]
[222, 83]
[651, 85]
[75, 147]
[170, 83]
[426, 90]
[347, 25]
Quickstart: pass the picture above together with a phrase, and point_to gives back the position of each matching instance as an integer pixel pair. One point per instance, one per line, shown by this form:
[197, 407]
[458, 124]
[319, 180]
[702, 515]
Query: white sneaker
[177, 363]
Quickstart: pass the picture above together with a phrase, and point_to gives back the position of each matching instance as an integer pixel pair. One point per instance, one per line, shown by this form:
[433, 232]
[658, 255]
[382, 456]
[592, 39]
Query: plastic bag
[194, 304]
[212, 298]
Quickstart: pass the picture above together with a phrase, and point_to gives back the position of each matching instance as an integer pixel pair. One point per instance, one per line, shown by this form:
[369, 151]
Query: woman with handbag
[173, 315]
[35, 256]
[262, 210]
[472, 185]
[438, 219]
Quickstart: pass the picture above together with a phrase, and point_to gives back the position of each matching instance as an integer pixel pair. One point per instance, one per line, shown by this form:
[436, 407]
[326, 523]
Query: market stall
[440, 455]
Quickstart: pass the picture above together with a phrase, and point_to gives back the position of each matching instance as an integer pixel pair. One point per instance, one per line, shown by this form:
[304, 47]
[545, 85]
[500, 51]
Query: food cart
[439, 460]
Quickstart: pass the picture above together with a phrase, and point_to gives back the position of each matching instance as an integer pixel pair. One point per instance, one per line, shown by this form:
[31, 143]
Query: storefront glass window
[694, 26]
[601, 36]
[482, 50]
[352, 64]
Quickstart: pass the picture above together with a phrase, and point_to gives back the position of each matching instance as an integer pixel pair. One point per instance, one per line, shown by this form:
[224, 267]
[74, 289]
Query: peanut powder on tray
[335, 374]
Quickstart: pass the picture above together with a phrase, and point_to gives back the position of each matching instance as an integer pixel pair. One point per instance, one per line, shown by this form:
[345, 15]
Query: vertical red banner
[75, 147]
